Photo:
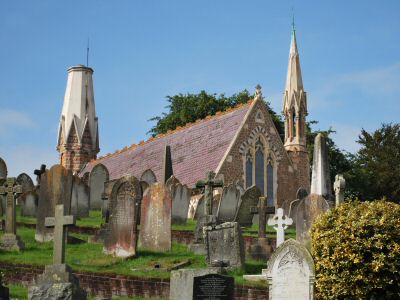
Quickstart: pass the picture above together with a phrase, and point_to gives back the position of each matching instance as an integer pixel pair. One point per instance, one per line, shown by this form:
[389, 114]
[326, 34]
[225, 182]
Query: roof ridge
[177, 129]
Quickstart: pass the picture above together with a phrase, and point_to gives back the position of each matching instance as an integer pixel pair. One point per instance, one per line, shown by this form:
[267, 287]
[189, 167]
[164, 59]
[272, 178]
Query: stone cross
[39, 173]
[59, 222]
[280, 223]
[11, 189]
[339, 186]
[209, 184]
[262, 210]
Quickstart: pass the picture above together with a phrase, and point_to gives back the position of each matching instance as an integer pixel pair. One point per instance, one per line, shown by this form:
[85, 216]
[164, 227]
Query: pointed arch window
[270, 182]
[294, 124]
[259, 165]
[249, 169]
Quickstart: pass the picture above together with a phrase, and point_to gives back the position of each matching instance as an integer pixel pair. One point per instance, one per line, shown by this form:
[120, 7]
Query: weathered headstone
[320, 179]
[249, 199]
[209, 184]
[10, 241]
[224, 244]
[27, 185]
[180, 200]
[108, 186]
[57, 282]
[155, 220]
[167, 164]
[280, 223]
[339, 186]
[229, 203]
[98, 176]
[213, 286]
[121, 238]
[86, 177]
[290, 272]
[29, 204]
[3, 198]
[55, 188]
[3, 169]
[290, 206]
[149, 177]
[80, 198]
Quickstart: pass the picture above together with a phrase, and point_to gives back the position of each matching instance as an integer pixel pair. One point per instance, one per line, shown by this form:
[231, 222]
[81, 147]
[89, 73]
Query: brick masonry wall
[112, 285]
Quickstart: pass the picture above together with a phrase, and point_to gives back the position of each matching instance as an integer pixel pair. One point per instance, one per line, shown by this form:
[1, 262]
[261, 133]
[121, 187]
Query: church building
[241, 145]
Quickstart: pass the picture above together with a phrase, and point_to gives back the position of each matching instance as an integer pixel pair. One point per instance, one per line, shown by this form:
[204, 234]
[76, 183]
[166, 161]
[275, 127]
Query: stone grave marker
[290, 206]
[80, 198]
[27, 185]
[149, 177]
[86, 177]
[121, 236]
[29, 204]
[339, 186]
[108, 186]
[180, 200]
[57, 282]
[224, 245]
[38, 173]
[3, 198]
[290, 272]
[280, 223]
[10, 241]
[55, 188]
[3, 169]
[98, 176]
[213, 286]
[155, 220]
[249, 199]
[229, 203]
[209, 184]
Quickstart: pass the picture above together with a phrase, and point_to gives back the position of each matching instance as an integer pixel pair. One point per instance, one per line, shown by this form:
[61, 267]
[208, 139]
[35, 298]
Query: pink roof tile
[196, 149]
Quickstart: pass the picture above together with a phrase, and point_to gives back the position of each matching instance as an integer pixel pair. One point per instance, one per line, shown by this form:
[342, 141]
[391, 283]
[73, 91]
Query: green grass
[94, 220]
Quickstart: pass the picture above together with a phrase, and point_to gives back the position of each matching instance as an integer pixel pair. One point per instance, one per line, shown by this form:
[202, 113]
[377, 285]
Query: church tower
[295, 112]
[78, 135]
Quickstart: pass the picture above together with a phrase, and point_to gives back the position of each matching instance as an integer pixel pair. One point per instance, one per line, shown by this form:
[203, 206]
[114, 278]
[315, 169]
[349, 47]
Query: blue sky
[142, 51]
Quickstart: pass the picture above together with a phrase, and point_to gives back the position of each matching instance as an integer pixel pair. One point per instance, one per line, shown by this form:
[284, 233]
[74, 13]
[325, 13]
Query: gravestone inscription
[213, 286]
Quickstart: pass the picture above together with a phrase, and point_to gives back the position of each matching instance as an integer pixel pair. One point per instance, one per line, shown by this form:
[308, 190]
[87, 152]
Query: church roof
[196, 149]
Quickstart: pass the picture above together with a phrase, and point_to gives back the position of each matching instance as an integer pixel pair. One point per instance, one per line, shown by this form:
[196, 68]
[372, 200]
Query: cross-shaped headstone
[262, 209]
[11, 189]
[209, 184]
[59, 222]
[39, 172]
[280, 223]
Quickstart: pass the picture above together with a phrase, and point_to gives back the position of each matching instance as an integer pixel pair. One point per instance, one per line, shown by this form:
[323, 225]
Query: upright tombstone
[229, 203]
[339, 186]
[25, 181]
[249, 199]
[291, 272]
[280, 223]
[80, 198]
[3, 198]
[224, 245]
[108, 186]
[55, 188]
[290, 206]
[155, 219]
[180, 200]
[121, 236]
[57, 282]
[3, 169]
[3, 176]
[29, 204]
[98, 176]
[149, 177]
[10, 241]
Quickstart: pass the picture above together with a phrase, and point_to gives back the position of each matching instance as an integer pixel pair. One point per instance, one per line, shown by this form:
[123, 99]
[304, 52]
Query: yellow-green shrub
[356, 250]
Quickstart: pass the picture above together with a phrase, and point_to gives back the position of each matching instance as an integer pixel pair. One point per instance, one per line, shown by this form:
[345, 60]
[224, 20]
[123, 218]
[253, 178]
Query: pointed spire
[294, 81]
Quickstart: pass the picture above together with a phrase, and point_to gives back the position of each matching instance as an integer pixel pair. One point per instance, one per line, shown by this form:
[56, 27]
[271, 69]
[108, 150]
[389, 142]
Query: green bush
[356, 250]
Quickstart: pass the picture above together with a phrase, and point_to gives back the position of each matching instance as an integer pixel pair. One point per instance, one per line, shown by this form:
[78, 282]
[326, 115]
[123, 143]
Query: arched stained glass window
[259, 166]
[249, 170]
[270, 184]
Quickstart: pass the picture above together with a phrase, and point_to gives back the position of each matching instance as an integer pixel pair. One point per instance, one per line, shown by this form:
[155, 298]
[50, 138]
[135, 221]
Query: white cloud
[11, 119]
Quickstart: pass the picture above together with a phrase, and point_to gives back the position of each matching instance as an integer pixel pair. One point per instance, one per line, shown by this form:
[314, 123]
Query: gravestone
[229, 203]
[3, 169]
[209, 184]
[10, 241]
[149, 177]
[224, 244]
[280, 223]
[249, 199]
[155, 220]
[86, 177]
[339, 186]
[213, 286]
[121, 237]
[80, 198]
[3, 199]
[98, 176]
[290, 272]
[29, 204]
[290, 206]
[38, 173]
[57, 282]
[55, 188]
[27, 185]
[180, 200]
[108, 186]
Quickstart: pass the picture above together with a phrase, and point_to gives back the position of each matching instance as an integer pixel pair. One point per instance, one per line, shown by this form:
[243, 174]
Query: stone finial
[339, 187]
[258, 95]
[321, 181]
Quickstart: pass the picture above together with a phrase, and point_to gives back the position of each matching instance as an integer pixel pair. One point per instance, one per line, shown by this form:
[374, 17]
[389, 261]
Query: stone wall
[112, 285]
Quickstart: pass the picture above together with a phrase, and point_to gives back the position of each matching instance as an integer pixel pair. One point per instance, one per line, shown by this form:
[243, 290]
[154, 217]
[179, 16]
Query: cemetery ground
[88, 257]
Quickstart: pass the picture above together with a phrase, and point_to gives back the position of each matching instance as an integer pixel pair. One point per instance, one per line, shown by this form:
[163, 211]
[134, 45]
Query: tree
[376, 171]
